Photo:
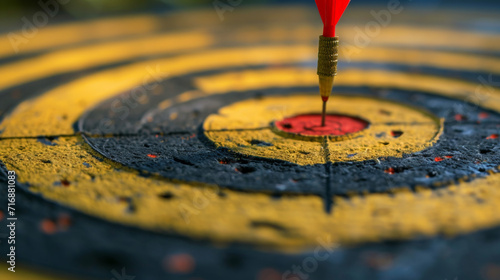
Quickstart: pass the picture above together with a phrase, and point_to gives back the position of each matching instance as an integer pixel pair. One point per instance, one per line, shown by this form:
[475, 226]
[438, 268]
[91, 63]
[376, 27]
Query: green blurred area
[11, 10]
[107, 6]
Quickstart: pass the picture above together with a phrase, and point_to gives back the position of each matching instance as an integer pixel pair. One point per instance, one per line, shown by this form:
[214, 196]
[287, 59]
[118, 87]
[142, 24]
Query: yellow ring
[234, 127]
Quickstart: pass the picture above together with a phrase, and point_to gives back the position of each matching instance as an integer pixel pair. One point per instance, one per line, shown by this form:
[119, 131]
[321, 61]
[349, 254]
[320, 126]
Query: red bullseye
[310, 125]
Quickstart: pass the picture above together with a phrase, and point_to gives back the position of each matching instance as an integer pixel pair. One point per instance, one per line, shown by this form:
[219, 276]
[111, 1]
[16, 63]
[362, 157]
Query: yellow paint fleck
[173, 116]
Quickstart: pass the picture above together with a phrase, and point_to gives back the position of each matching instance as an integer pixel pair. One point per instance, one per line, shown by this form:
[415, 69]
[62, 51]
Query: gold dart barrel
[327, 64]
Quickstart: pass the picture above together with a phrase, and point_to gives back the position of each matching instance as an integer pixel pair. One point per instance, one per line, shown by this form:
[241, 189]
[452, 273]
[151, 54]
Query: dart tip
[325, 90]
[323, 114]
[325, 86]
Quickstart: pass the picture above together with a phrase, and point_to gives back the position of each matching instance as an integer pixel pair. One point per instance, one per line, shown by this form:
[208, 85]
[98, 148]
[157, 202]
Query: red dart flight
[330, 12]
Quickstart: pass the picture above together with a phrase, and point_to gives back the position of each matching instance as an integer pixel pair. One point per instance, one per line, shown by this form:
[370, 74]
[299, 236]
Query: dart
[330, 12]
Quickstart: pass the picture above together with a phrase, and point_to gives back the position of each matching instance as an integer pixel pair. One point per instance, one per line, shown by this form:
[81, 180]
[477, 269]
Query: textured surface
[165, 160]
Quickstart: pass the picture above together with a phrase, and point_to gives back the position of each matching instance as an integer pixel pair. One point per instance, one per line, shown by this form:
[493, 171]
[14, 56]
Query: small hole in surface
[167, 195]
[245, 169]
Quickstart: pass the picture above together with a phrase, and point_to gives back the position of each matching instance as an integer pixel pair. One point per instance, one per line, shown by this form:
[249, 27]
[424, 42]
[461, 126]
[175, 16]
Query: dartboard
[176, 148]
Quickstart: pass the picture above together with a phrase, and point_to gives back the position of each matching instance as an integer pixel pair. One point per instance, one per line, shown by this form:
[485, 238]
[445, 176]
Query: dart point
[323, 114]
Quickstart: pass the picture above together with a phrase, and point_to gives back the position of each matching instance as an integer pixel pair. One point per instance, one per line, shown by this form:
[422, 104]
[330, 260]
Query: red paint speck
[48, 226]
[379, 261]
[270, 274]
[310, 125]
[459, 117]
[438, 159]
[390, 170]
[483, 115]
[179, 263]
[448, 156]
[396, 133]
[189, 137]
[491, 271]
[152, 156]
[492, 136]
[16, 94]
[1, 215]
[64, 221]
[224, 161]
[65, 183]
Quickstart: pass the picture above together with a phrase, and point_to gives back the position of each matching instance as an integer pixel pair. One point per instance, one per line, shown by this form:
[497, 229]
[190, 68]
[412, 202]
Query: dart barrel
[328, 54]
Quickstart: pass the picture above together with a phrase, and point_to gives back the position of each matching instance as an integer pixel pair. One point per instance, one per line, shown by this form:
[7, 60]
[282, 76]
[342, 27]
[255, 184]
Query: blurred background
[12, 11]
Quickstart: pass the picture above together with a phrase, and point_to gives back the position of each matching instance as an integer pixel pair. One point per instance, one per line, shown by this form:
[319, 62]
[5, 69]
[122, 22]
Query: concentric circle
[178, 140]
[237, 125]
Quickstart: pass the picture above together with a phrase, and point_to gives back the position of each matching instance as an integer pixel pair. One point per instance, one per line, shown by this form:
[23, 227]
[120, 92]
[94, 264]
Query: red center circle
[310, 125]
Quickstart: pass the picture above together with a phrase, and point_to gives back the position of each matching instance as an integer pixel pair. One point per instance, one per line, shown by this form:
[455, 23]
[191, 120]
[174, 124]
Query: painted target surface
[198, 138]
